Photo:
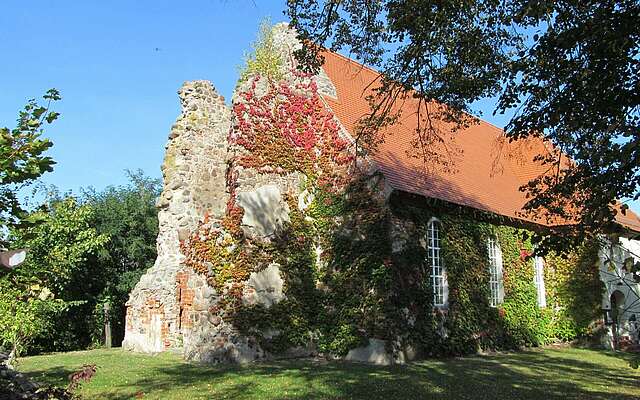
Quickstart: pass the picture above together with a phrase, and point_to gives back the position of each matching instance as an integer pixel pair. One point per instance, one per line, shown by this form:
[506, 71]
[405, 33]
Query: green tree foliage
[63, 249]
[22, 158]
[87, 252]
[265, 59]
[568, 70]
[128, 216]
[27, 310]
[27, 305]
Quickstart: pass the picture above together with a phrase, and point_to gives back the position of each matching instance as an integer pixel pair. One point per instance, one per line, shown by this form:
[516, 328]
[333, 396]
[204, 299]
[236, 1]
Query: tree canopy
[568, 71]
[22, 158]
[63, 251]
[84, 252]
[128, 216]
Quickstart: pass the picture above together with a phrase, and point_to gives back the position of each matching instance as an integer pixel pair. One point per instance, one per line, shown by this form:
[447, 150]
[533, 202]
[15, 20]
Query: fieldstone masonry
[173, 307]
[170, 308]
[194, 184]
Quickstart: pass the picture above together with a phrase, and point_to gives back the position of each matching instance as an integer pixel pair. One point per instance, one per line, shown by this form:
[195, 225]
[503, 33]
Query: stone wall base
[376, 353]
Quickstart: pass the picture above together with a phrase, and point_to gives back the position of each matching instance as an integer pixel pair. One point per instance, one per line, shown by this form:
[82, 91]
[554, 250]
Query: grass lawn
[553, 373]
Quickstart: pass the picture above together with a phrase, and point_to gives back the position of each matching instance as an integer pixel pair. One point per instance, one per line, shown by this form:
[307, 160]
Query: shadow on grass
[58, 375]
[528, 375]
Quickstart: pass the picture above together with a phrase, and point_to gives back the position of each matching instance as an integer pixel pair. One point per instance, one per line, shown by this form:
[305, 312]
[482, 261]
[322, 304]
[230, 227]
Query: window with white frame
[538, 280]
[495, 272]
[438, 276]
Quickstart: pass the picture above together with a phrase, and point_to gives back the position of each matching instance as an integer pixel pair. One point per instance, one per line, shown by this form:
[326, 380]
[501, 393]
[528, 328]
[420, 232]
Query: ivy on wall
[572, 282]
[284, 127]
[574, 289]
[281, 126]
[360, 288]
[354, 263]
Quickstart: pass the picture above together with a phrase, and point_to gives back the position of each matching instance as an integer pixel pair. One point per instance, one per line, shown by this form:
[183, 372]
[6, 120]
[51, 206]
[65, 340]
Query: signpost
[107, 326]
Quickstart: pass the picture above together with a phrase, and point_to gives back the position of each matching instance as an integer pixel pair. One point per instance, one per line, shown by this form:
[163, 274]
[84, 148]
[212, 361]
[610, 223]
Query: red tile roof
[487, 171]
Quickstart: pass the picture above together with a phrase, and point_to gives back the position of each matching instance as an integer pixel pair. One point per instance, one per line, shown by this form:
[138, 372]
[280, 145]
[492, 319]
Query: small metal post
[107, 326]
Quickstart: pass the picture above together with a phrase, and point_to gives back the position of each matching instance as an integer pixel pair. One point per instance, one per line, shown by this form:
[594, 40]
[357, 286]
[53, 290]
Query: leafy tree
[62, 244]
[27, 310]
[264, 59]
[86, 251]
[128, 216]
[568, 70]
[63, 253]
[22, 158]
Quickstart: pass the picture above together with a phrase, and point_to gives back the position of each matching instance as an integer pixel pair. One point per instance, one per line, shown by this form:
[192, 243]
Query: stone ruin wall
[206, 337]
[171, 307]
[194, 183]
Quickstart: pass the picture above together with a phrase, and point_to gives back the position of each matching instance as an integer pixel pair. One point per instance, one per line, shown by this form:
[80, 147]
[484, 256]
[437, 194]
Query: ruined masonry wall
[173, 307]
[194, 184]
[206, 337]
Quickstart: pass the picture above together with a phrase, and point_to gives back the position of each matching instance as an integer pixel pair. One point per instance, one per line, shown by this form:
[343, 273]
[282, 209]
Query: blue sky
[118, 65]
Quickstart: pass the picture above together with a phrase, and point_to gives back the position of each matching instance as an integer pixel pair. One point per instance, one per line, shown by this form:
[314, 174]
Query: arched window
[438, 274]
[495, 272]
[538, 280]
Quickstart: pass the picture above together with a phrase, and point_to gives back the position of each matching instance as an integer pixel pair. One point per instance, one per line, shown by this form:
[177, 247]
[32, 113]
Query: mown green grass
[553, 373]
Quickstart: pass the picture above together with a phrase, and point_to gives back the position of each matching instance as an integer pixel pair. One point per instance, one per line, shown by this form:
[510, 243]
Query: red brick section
[152, 308]
[488, 171]
[185, 299]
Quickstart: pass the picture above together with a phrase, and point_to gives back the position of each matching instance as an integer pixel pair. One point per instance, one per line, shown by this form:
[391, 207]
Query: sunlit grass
[563, 373]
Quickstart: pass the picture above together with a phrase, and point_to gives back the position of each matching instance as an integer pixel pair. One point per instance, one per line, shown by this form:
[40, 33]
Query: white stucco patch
[374, 353]
[264, 287]
[149, 341]
[265, 211]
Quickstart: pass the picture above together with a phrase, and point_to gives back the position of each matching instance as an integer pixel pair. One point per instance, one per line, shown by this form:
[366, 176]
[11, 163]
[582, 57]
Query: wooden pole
[107, 326]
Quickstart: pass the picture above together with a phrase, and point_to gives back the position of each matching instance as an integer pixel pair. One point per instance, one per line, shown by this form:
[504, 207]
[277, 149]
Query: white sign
[13, 258]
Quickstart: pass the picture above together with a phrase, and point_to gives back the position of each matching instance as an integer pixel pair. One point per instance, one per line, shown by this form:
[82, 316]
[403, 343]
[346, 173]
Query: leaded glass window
[538, 280]
[495, 272]
[438, 276]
